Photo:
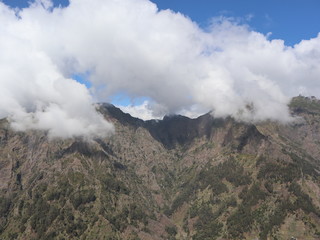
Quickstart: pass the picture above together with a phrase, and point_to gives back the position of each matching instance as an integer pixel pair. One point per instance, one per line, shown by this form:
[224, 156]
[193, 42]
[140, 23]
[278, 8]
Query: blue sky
[289, 20]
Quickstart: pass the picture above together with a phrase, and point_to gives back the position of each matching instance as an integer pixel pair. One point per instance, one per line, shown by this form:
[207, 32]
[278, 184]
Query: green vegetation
[303, 201]
[305, 166]
[307, 104]
[171, 230]
[233, 172]
[279, 172]
[250, 197]
[275, 219]
[111, 183]
[209, 231]
[136, 213]
[63, 190]
[5, 204]
[186, 193]
[212, 178]
[82, 197]
[44, 215]
[241, 221]
[207, 226]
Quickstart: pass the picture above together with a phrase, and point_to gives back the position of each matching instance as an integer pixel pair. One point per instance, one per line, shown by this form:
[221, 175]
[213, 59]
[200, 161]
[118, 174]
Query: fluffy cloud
[34, 93]
[130, 46]
[143, 111]
[150, 110]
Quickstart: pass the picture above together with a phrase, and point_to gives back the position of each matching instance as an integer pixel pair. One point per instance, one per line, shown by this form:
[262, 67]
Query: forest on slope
[177, 178]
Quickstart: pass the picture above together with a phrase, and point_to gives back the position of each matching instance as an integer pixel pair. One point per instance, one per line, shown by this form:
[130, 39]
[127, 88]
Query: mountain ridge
[176, 178]
[179, 129]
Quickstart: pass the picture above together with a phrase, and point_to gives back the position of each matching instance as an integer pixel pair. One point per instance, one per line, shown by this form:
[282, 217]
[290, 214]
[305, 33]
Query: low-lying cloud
[130, 46]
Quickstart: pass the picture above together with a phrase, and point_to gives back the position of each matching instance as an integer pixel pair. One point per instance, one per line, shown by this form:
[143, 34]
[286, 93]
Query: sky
[244, 59]
[290, 20]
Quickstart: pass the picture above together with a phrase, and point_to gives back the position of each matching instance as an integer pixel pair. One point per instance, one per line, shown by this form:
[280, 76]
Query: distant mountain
[176, 178]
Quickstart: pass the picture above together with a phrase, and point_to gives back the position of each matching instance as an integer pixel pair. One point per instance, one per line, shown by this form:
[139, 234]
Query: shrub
[82, 197]
[171, 230]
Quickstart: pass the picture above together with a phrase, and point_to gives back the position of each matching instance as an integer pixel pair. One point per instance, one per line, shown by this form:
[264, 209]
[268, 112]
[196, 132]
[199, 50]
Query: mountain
[176, 178]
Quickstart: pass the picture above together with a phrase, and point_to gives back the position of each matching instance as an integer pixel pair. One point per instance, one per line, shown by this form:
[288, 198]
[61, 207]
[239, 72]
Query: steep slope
[177, 178]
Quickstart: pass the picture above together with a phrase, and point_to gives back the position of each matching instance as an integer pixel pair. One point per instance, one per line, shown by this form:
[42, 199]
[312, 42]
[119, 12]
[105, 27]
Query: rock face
[177, 178]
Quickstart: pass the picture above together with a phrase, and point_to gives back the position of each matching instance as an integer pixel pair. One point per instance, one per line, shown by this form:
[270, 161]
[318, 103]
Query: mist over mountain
[176, 178]
[131, 47]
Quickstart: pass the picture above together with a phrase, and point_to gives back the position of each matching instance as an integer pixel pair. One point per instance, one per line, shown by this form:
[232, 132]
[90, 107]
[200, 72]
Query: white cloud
[143, 111]
[35, 95]
[130, 46]
[150, 110]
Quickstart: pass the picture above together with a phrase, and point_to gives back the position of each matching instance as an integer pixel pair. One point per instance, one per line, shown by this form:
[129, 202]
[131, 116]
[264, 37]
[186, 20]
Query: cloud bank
[130, 46]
